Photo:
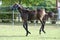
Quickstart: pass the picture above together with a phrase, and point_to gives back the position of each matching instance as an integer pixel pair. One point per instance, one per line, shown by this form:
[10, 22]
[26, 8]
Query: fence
[11, 16]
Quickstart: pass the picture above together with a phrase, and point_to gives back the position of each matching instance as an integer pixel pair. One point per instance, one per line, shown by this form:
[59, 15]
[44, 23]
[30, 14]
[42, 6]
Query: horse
[38, 14]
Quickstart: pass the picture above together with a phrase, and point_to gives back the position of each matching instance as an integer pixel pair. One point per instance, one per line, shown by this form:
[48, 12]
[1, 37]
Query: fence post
[13, 18]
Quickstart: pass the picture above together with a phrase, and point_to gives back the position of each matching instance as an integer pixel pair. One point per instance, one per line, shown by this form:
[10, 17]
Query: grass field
[17, 32]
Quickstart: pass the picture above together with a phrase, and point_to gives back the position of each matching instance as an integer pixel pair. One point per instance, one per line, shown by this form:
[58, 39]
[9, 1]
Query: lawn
[17, 32]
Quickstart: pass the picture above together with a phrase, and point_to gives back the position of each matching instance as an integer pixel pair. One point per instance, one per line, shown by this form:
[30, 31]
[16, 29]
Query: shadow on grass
[12, 36]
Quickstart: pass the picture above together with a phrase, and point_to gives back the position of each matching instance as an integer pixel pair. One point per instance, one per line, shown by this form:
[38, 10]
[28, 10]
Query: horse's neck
[23, 10]
[20, 10]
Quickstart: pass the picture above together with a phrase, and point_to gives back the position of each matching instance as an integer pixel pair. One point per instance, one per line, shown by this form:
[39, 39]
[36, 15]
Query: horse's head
[51, 14]
[16, 6]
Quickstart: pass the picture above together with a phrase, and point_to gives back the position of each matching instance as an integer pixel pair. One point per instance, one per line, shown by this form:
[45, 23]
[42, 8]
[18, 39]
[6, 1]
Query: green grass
[17, 32]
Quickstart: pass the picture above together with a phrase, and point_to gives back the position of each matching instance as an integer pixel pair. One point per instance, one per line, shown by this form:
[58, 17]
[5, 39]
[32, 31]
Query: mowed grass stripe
[17, 32]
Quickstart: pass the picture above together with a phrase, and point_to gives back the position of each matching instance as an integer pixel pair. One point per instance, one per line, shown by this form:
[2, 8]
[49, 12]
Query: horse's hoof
[29, 32]
[44, 32]
[26, 34]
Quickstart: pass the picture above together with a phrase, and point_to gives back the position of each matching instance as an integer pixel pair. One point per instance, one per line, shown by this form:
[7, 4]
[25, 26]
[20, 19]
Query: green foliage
[6, 13]
[43, 3]
[33, 4]
[8, 2]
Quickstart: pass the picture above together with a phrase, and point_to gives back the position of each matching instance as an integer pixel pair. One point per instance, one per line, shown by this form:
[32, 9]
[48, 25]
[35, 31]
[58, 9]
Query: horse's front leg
[25, 25]
[27, 32]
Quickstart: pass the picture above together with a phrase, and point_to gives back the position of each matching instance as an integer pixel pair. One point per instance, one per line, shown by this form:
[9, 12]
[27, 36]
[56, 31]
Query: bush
[6, 14]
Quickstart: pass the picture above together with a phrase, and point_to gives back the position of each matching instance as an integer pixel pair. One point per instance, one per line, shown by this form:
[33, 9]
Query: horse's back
[31, 15]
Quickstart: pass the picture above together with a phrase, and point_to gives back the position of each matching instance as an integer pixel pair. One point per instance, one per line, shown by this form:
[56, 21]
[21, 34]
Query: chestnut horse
[38, 14]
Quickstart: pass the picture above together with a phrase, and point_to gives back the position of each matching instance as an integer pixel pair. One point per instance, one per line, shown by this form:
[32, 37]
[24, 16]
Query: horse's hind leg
[42, 27]
[40, 31]
[44, 21]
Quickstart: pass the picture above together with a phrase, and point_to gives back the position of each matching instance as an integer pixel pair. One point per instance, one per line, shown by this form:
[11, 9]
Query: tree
[33, 4]
[8, 2]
